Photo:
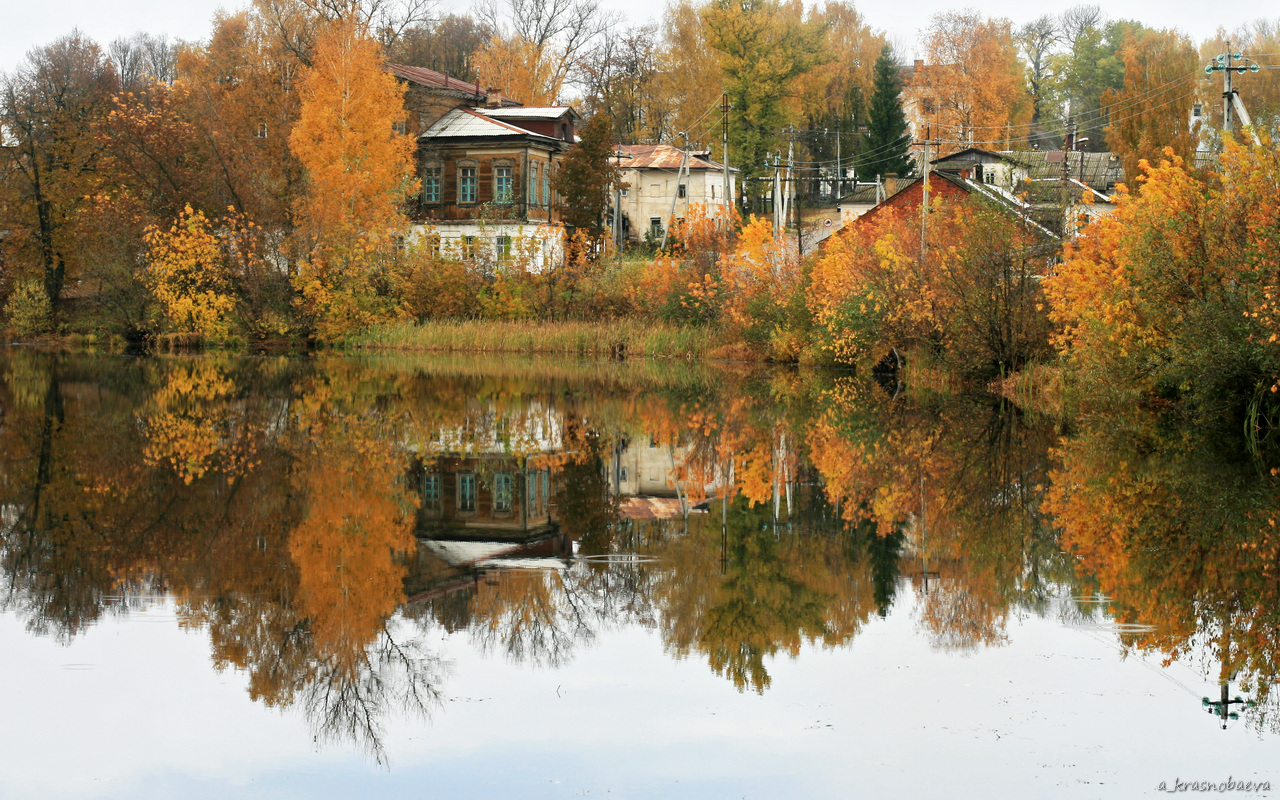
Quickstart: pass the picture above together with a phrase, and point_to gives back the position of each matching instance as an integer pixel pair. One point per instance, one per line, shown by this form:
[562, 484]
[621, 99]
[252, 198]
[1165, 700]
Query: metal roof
[663, 156]
[529, 112]
[466, 123]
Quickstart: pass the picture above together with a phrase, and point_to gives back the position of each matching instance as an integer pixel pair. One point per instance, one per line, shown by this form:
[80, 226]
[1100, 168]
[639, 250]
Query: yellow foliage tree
[359, 170]
[186, 273]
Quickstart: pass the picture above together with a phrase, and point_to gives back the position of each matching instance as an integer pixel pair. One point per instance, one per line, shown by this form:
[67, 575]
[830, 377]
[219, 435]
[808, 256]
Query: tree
[538, 45]
[1037, 40]
[359, 170]
[1174, 293]
[974, 80]
[888, 144]
[48, 111]
[1150, 113]
[763, 47]
[447, 45]
[586, 176]
[620, 77]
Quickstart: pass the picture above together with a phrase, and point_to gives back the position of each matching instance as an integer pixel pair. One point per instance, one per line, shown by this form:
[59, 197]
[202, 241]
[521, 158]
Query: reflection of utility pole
[924, 540]
[1222, 708]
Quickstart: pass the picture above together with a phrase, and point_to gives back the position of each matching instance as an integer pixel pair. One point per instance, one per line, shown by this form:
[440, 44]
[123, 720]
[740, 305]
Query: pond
[397, 576]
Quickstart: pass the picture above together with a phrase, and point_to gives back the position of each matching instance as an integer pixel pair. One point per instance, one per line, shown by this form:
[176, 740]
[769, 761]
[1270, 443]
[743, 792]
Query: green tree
[764, 46]
[887, 141]
[585, 177]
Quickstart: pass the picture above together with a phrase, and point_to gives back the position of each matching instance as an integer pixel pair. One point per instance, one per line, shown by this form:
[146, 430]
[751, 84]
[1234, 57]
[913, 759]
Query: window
[502, 188]
[468, 247]
[624, 192]
[1195, 110]
[431, 184]
[466, 184]
[713, 191]
[534, 170]
[531, 494]
[655, 227]
[467, 492]
[431, 492]
[262, 130]
[503, 491]
[400, 127]
[622, 474]
[546, 186]
[988, 177]
[682, 191]
[502, 247]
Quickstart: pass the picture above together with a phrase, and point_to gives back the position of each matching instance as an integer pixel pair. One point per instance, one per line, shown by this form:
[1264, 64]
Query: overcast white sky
[28, 24]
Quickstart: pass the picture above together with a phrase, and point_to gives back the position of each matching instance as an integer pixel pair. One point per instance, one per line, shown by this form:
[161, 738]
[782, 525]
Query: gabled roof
[979, 156]
[663, 156]
[468, 123]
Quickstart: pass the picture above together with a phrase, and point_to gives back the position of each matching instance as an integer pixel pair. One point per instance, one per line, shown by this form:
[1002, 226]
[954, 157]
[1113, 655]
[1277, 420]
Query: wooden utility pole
[924, 190]
[1068, 143]
[724, 135]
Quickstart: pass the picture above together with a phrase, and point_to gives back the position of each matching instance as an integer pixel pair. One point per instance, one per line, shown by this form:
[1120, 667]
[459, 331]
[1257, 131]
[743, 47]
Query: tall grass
[614, 339]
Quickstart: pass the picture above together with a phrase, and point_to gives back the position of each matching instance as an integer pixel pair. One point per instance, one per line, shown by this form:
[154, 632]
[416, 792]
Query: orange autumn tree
[359, 170]
[1147, 117]
[1174, 293]
[974, 297]
[973, 86]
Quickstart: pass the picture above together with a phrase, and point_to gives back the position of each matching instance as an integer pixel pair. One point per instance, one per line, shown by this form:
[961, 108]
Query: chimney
[493, 99]
[890, 184]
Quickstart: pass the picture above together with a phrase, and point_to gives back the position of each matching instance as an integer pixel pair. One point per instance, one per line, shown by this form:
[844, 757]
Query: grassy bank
[616, 339]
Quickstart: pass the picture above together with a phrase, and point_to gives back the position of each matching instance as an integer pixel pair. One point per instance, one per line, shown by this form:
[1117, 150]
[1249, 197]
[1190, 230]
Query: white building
[653, 193]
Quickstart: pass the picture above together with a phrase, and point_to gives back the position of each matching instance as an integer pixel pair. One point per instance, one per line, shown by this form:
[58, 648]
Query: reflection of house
[486, 165]
[652, 176]
[492, 493]
[642, 469]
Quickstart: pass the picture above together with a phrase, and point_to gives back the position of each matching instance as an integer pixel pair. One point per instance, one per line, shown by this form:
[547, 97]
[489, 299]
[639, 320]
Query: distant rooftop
[664, 156]
[440, 80]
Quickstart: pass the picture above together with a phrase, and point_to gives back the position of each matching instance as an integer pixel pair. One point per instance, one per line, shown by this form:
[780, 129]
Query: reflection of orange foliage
[190, 424]
[1184, 544]
[349, 546]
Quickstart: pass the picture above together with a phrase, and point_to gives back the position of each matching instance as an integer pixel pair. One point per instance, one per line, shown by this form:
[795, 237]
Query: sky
[30, 24]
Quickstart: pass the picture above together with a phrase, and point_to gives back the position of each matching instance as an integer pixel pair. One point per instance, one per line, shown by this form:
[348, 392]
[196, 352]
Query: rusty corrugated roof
[661, 156]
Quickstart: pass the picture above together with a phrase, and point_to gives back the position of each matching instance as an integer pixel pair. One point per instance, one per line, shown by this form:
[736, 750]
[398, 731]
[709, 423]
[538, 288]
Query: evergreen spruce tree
[888, 146]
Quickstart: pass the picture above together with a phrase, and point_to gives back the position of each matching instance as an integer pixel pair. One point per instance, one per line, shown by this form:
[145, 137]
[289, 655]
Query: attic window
[564, 131]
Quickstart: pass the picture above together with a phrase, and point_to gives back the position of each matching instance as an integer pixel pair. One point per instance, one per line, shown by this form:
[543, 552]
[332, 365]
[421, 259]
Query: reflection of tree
[1180, 533]
[961, 478]
[110, 489]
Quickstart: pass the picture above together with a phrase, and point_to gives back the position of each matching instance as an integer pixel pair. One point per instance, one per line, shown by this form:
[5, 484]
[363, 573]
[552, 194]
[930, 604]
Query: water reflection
[320, 519]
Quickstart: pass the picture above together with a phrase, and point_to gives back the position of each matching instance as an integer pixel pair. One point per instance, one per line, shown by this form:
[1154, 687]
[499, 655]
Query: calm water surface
[422, 577]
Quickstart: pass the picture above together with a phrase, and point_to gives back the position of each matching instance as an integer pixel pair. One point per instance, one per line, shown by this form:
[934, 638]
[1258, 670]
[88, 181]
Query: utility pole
[1068, 143]
[684, 161]
[777, 200]
[724, 134]
[924, 190]
[791, 181]
[1231, 102]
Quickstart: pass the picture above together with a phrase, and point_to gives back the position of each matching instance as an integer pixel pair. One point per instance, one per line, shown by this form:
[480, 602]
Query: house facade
[655, 189]
[486, 166]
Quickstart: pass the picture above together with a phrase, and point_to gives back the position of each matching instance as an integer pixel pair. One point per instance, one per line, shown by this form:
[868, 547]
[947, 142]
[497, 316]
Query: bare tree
[142, 58]
[294, 21]
[560, 33]
[1076, 21]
